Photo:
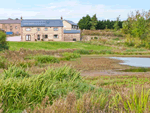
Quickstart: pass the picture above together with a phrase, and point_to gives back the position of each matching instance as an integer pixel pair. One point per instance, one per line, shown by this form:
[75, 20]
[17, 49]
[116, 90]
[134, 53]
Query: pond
[134, 61]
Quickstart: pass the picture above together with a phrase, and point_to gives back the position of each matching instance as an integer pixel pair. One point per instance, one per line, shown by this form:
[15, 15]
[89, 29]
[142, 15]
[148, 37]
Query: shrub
[35, 39]
[116, 38]
[68, 56]
[42, 40]
[95, 37]
[47, 59]
[82, 51]
[3, 42]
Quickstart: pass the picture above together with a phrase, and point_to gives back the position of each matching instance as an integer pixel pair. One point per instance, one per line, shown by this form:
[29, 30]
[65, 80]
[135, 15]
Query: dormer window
[38, 29]
[46, 29]
[28, 29]
[56, 29]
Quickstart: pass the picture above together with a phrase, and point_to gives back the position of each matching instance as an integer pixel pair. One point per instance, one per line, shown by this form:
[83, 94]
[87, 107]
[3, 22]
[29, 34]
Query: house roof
[10, 21]
[71, 22]
[71, 31]
[41, 23]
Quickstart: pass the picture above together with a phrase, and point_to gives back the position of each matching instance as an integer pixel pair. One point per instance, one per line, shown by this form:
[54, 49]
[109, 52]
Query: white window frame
[55, 35]
[38, 29]
[46, 29]
[28, 29]
[55, 28]
[28, 37]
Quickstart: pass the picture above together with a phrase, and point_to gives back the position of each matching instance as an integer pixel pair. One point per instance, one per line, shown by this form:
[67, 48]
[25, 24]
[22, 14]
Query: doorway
[38, 37]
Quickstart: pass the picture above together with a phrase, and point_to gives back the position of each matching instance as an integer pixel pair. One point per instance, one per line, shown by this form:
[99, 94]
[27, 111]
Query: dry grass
[102, 33]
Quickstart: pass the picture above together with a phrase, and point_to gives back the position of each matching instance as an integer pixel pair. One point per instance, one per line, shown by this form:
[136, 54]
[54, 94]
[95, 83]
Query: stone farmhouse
[42, 29]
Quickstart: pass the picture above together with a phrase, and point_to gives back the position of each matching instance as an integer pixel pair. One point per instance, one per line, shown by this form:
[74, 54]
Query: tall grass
[20, 93]
[100, 103]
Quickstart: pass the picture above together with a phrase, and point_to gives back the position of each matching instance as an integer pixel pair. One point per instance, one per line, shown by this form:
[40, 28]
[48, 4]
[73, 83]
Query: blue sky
[71, 10]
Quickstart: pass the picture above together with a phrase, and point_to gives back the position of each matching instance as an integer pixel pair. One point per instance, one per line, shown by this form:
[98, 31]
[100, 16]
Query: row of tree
[93, 23]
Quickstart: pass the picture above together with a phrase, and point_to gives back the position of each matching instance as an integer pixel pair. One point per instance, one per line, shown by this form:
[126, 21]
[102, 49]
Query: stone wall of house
[50, 32]
[67, 26]
[1, 26]
[70, 37]
[15, 28]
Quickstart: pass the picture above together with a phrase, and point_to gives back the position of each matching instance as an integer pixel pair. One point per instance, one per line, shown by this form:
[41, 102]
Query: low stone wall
[88, 37]
[70, 36]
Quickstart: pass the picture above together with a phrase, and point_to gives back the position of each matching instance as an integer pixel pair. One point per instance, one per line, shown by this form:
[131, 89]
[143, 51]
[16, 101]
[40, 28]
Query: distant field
[55, 45]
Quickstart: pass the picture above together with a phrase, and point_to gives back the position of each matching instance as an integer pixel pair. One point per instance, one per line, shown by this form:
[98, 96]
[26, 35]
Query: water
[134, 61]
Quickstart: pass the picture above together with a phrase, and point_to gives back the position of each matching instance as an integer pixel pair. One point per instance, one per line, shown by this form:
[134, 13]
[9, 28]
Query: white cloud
[72, 10]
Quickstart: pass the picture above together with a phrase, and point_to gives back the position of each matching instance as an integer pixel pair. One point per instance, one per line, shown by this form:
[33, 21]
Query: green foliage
[14, 71]
[95, 37]
[116, 25]
[84, 23]
[141, 69]
[93, 22]
[68, 56]
[47, 59]
[82, 51]
[54, 45]
[21, 93]
[2, 62]
[137, 29]
[3, 42]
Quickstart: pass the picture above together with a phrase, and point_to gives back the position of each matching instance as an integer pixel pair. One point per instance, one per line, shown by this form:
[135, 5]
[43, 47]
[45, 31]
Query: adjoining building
[11, 25]
[42, 29]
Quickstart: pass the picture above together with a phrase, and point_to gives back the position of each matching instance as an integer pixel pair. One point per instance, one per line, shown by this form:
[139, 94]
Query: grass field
[54, 46]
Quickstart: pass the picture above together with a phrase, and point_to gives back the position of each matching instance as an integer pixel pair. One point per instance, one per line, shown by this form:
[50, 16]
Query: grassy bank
[38, 81]
[54, 46]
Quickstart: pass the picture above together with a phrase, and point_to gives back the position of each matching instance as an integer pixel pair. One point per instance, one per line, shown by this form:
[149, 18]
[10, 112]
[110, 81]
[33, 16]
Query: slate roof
[71, 22]
[41, 23]
[71, 31]
[9, 21]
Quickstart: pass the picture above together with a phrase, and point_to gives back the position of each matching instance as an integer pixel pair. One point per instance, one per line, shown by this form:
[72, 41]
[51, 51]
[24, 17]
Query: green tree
[116, 25]
[3, 42]
[137, 28]
[85, 22]
[94, 22]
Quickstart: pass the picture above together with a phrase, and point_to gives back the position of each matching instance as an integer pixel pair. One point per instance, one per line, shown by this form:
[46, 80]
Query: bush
[82, 51]
[47, 59]
[68, 56]
[95, 37]
[3, 42]
[35, 39]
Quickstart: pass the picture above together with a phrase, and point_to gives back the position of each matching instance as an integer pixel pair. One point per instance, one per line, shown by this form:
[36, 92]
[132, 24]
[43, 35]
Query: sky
[70, 9]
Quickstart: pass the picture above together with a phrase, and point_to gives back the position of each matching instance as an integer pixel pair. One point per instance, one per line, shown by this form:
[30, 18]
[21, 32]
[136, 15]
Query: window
[56, 29]
[46, 29]
[46, 36]
[74, 39]
[16, 27]
[38, 29]
[28, 29]
[38, 37]
[28, 37]
[55, 36]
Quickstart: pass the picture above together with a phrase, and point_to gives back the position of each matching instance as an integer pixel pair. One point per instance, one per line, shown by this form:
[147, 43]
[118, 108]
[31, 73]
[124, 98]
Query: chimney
[21, 18]
[61, 18]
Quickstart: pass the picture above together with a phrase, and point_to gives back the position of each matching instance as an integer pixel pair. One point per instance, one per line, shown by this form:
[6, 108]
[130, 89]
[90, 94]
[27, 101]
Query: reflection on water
[134, 61]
